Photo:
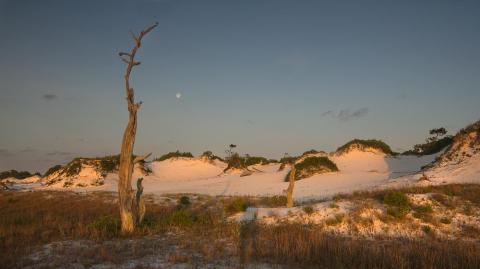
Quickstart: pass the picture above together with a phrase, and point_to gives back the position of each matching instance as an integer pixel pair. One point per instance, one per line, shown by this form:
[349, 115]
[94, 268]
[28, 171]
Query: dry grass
[201, 234]
[30, 219]
[301, 246]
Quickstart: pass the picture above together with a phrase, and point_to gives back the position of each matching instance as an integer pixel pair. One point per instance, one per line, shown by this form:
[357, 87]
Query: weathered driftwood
[132, 206]
[291, 179]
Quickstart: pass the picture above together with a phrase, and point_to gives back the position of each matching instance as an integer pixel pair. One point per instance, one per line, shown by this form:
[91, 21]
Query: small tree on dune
[436, 133]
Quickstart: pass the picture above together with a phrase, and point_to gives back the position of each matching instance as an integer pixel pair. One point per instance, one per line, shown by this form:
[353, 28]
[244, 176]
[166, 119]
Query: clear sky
[270, 76]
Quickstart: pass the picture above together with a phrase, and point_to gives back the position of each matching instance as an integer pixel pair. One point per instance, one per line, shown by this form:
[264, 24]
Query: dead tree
[132, 206]
[291, 184]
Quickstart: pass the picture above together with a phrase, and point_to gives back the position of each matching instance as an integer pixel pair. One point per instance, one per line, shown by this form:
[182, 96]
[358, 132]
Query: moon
[178, 95]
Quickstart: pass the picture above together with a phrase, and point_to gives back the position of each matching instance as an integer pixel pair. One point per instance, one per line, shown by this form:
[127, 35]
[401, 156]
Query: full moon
[178, 95]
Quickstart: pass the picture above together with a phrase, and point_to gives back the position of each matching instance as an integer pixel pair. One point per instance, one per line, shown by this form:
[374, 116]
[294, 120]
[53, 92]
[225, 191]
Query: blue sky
[270, 76]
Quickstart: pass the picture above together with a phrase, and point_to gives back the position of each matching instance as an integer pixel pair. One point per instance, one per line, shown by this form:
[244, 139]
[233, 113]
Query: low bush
[398, 212]
[175, 154]
[209, 155]
[431, 147]
[236, 205]
[370, 143]
[274, 201]
[335, 220]
[252, 160]
[424, 209]
[109, 164]
[180, 218]
[108, 225]
[16, 174]
[426, 229]
[52, 170]
[184, 201]
[308, 209]
[396, 198]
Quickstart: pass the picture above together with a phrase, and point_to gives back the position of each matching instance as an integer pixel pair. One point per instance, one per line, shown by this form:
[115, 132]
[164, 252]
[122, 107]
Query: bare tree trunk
[132, 206]
[291, 179]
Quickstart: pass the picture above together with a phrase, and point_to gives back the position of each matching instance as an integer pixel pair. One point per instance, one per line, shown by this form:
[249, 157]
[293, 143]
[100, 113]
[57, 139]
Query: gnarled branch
[141, 158]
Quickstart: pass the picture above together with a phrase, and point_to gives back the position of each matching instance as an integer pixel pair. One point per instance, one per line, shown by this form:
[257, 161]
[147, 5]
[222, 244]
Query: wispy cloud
[347, 114]
[49, 96]
[5, 153]
[326, 113]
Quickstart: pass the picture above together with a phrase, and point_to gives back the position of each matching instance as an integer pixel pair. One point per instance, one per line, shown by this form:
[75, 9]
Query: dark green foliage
[73, 168]
[335, 220]
[109, 164]
[313, 165]
[431, 147]
[180, 218]
[426, 229]
[52, 170]
[371, 143]
[235, 162]
[274, 201]
[209, 155]
[236, 205]
[16, 174]
[398, 212]
[175, 154]
[308, 209]
[251, 160]
[398, 204]
[312, 151]
[108, 225]
[288, 160]
[184, 201]
[396, 198]
[424, 209]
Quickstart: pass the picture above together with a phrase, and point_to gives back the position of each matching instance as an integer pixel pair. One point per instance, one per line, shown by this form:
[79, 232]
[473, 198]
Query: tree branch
[141, 158]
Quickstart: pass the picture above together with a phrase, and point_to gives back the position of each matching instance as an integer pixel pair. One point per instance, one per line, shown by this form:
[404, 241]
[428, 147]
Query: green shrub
[371, 143]
[73, 167]
[236, 205]
[396, 198]
[274, 201]
[312, 165]
[398, 212]
[209, 155]
[288, 160]
[426, 229]
[254, 160]
[16, 174]
[176, 154]
[424, 209]
[52, 170]
[235, 162]
[312, 151]
[335, 220]
[308, 209]
[180, 218]
[431, 147]
[184, 200]
[398, 204]
[109, 225]
[333, 205]
[109, 164]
